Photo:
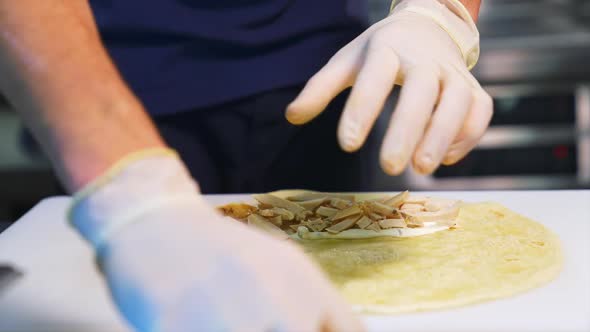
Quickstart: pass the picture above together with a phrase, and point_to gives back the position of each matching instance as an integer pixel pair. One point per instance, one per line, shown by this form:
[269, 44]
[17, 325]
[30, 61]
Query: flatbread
[494, 253]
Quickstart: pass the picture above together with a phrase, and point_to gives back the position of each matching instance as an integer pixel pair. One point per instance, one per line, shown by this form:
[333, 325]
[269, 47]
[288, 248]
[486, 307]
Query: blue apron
[179, 55]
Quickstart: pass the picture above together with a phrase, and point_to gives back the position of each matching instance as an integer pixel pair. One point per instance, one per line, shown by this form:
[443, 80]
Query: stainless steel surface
[528, 182]
[530, 47]
[583, 129]
[534, 40]
[514, 136]
[24, 179]
[12, 156]
[522, 136]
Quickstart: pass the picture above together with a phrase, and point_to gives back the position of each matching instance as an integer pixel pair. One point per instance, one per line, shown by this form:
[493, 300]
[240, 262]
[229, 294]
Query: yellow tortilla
[494, 253]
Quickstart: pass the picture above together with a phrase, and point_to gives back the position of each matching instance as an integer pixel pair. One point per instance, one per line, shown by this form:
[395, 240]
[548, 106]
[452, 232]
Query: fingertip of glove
[349, 135]
[392, 165]
[424, 164]
[295, 114]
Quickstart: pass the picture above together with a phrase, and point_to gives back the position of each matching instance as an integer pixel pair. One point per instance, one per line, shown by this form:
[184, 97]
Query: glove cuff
[135, 185]
[452, 17]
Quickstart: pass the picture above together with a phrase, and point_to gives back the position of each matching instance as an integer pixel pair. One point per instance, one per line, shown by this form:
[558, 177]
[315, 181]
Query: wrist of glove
[133, 187]
[173, 264]
[451, 16]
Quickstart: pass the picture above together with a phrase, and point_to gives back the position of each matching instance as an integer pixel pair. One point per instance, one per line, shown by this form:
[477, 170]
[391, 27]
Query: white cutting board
[61, 290]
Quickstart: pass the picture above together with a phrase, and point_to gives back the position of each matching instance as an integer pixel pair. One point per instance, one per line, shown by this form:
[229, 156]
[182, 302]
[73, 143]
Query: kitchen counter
[62, 291]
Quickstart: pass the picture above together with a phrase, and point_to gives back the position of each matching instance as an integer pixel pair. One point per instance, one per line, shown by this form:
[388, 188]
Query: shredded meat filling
[334, 213]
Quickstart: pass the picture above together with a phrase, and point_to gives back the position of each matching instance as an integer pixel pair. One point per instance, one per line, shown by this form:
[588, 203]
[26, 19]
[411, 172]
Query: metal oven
[539, 138]
[536, 65]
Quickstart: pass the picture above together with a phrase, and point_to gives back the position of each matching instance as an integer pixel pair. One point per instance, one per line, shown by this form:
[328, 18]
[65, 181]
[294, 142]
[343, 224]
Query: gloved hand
[174, 265]
[428, 46]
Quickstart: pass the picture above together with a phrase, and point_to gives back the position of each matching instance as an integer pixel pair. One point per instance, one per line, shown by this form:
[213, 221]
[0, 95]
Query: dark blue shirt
[179, 55]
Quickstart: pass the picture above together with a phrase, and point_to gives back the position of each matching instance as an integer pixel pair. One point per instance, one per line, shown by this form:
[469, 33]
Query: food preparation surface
[62, 291]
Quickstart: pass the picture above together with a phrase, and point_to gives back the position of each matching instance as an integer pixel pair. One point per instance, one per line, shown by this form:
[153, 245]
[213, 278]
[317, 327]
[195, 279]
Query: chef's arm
[473, 7]
[56, 73]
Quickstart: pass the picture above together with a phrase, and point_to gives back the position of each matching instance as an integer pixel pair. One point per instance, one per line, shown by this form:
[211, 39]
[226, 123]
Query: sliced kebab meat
[316, 212]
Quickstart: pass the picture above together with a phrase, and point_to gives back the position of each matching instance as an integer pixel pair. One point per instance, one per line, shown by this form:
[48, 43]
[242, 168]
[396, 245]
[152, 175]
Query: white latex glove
[173, 264]
[428, 46]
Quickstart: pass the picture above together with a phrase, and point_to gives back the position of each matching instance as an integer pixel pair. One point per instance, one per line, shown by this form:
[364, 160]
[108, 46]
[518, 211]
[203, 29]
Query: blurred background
[536, 65]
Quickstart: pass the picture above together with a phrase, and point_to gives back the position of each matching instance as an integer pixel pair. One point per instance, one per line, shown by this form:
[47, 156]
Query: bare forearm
[56, 73]
[473, 7]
